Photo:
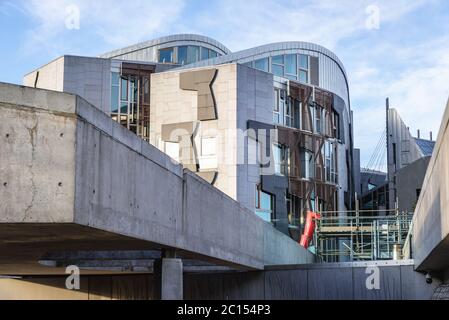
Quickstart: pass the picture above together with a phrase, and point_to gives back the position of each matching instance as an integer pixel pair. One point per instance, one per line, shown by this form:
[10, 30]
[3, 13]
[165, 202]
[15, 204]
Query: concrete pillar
[168, 278]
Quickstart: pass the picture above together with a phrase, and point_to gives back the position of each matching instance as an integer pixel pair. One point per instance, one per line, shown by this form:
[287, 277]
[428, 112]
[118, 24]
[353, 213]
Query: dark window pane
[166, 55]
[124, 88]
[124, 108]
[114, 98]
[182, 55]
[290, 64]
[212, 54]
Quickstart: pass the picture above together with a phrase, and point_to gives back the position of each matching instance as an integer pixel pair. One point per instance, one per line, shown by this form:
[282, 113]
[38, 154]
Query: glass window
[281, 158]
[307, 164]
[193, 54]
[303, 76]
[212, 54]
[204, 53]
[264, 204]
[276, 111]
[124, 107]
[261, 64]
[303, 61]
[115, 78]
[115, 91]
[289, 112]
[182, 54]
[124, 89]
[277, 70]
[294, 209]
[166, 55]
[277, 59]
[114, 98]
[291, 64]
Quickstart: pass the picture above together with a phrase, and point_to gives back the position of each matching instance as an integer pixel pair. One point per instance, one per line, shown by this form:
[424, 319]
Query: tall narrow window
[193, 54]
[115, 91]
[276, 110]
[291, 68]
[182, 55]
[281, 158]
[264, 204]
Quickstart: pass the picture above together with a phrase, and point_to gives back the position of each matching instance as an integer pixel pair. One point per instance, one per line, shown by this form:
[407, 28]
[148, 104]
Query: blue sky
[405, 58]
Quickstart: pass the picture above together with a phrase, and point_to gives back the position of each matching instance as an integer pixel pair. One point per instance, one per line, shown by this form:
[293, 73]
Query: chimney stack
[419, 134]
[431, 136]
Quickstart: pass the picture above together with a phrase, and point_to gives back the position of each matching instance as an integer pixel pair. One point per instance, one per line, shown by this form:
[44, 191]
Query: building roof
[426, 146]
[166, 40]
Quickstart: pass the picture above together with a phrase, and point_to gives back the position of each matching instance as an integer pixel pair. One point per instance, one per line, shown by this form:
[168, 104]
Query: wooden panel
[131, 287]
[286, 285]
[243, 286]
[330, 284]
[100, 288]
[203, 287]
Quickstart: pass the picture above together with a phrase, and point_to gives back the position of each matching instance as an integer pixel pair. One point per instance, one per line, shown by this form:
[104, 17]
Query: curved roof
[165, 40]
[269, 48]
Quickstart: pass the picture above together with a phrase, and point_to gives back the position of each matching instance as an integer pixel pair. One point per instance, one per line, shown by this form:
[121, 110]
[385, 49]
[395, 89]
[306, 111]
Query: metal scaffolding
[361, 235]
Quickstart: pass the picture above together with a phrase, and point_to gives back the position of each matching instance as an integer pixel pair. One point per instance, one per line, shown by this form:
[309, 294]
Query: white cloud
[324, 22]
[117, 23]
[419, 91]
[378, 63]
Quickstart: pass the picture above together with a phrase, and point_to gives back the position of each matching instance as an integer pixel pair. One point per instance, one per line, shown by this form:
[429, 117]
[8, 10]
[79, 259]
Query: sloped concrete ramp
[73, 179]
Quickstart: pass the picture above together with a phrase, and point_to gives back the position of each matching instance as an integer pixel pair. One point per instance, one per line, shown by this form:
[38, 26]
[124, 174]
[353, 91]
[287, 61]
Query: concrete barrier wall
[37, 149]
[430, 236]
[311, 282]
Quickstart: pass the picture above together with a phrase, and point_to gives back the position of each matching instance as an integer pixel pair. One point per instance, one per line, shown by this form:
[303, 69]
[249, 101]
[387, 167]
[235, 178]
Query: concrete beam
[65, 163]
[430, 235]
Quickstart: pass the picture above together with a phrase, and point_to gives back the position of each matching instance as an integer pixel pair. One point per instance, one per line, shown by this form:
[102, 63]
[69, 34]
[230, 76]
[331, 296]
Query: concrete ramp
[73, 179]
[430, 236]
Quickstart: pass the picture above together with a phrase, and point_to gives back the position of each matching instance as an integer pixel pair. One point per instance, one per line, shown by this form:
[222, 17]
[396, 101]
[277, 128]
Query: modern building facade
[270, 126]
[405, 154]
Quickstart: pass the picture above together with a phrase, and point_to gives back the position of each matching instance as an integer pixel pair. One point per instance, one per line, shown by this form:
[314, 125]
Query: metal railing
[361, 235]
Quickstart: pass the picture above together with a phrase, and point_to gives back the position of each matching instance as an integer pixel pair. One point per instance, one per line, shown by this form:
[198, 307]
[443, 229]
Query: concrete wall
[115, 182]
[346, 281]
[37, 152]
[430, 236]
[87, 77]
[397, 281]
[408, 181]
[49, 76]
